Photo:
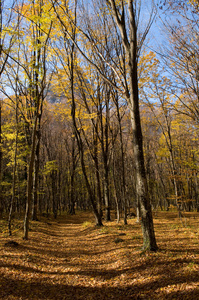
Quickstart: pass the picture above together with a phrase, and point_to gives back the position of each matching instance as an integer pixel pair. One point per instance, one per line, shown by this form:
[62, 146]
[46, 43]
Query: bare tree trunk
[97, 214]
[77, 133]
[149, 241]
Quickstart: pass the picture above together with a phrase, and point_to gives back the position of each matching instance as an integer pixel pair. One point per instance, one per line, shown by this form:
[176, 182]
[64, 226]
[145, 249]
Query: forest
[99, 110]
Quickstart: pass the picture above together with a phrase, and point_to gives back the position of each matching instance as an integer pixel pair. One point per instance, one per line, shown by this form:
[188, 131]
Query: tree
[7, 32]
[181, 55]
[31, 83]
[5, 48]
[37, 83]
[15, 153]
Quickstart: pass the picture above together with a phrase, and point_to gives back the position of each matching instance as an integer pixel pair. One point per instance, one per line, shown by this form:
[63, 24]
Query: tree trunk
[30, 180]
[129, 40]
[72, 178]
[149, 241]
[36, 177]
[97, 172]
[77, 134]
[106, 195]
[123, 189]
[13, 186]
[14, 173]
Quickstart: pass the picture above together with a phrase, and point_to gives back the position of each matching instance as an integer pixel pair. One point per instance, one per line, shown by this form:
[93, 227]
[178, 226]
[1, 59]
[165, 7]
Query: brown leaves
[67, 261]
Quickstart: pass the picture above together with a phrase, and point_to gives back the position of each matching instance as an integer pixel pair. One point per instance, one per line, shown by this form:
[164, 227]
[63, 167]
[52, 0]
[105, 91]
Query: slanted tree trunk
[97, 214]
[77, 133]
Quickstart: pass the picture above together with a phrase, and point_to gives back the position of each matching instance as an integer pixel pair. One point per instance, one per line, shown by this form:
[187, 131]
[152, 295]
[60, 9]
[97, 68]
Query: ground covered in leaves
[70, 258]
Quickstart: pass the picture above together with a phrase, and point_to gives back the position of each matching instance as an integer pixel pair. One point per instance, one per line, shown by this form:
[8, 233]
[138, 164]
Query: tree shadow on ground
[21, 289]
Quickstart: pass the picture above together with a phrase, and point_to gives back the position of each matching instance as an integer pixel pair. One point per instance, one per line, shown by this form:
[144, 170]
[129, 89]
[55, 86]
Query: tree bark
[149, 241]
[36, 177]
[30, 179]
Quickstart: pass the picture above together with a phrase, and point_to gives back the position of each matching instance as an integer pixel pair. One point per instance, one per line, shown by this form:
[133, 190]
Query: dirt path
[70, 259]
[63, 260]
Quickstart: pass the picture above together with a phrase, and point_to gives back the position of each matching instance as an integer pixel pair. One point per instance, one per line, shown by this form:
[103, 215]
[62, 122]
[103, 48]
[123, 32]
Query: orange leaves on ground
[65, 260]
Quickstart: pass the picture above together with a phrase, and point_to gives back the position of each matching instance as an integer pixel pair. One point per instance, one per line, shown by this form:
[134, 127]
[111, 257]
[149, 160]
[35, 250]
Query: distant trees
[181, 56]
[26, 74]
[122, 75]
[7, 36]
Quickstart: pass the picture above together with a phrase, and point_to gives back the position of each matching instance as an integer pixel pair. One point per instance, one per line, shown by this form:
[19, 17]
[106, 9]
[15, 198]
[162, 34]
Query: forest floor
[71, 258]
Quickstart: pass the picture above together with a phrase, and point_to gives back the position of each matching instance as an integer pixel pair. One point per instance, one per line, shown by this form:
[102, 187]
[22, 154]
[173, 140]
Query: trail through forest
[72, 259]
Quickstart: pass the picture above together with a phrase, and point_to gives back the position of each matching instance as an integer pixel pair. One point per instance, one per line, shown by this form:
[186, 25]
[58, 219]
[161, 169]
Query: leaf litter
[71, 260]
